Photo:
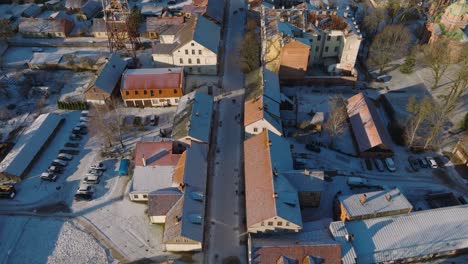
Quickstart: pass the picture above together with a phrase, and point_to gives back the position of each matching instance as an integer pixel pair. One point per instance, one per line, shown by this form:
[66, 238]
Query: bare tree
[420, 111]
[336, 123]
[6, 30]
[373, 18]
[389, 44]
[250, 47]
[437, 57]
[106, 123]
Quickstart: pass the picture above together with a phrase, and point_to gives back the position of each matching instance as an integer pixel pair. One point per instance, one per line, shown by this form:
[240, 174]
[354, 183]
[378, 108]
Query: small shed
[123, 168]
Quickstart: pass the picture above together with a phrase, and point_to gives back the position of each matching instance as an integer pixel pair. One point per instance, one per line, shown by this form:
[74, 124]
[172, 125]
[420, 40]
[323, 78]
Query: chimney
[177, 218]
[307, 172]
[388, 197]
[275, 172]
[144, 160]
[275, 195]
[363, 199]
[197, 114]
[269, 143]
[349, 237]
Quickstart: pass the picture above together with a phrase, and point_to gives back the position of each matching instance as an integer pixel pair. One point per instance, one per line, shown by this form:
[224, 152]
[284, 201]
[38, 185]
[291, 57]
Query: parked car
[85, 113]
[76, 130]
[423, 163]
[440, 161]
[390, 164]
[379, 164]
[79, 130]
[37, 49]
[84, 119]
[384, 78]
[98, 166]
[154, 119]
[313, 148]
[82, 125]
[7, 191]
[432, 162]
[95, 172]
[137, 121]
[64, 156]
[75, 137]
[413, 163]
[61, 163]
[72, 144]
[83, 196]
[84, 188]
[70, 151]
[55, 169]
[368, 164]
[91, 179]
[49, 176]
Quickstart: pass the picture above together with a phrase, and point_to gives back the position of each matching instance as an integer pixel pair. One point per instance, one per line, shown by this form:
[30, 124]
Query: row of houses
[170, 176]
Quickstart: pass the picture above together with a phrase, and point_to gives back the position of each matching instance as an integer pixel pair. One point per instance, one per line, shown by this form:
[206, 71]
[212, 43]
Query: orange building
[152, 87]
[294, 59]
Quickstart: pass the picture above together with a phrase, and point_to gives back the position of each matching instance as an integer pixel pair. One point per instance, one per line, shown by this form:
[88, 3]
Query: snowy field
[110, 227]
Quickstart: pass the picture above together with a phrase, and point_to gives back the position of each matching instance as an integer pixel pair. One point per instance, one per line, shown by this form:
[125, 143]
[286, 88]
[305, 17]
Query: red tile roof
[161, 201]
[330, 254]
[259, 189]
[155, 153]
[142, 79]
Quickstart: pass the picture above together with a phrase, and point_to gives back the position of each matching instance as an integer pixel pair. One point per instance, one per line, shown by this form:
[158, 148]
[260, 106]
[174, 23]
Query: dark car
[413, 163]
[7, 191]
[368, 164]
[313, 148]
[440, 161]
[154, 120]
[70, 151]
[423, 163]
[72, 144]
[83, 196]
[75, 137]
[379, 164]
[55, 169]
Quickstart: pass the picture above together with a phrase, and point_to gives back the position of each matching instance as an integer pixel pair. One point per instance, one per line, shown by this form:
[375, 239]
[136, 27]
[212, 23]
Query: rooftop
[41, 25]
[161, 201]
[403, 236]
[148, 179]
[110, 73]
[375, 202]
[154, 78]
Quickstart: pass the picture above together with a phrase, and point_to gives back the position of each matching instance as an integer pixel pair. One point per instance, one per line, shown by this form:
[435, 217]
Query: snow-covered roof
[29, 145]
[207, 33]
[306, 181]
[151, 178]
[44, 25]
[406, 236]
[375, 202]
[111, 73]
[193, 117]
[41, 58]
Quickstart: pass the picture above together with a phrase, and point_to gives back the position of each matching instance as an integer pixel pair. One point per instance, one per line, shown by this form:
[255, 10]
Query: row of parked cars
[70, 148]
[389, 163]
[85, 190]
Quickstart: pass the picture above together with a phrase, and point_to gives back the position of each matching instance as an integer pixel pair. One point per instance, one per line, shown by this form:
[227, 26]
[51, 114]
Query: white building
[194, 46]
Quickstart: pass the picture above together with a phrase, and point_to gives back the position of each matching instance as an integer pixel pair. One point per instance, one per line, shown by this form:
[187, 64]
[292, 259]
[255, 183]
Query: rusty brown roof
[253, 111]
[173, 225]
[178, 176]
[155, 153]
[161, 201]
[366, 124]
[157, 24]
[160, 78]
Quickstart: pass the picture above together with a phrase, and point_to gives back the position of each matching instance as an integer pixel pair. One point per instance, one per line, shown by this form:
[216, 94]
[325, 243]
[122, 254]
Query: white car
[390, 164]
[91, 179]
[84, 119]
[98, 166]
[84, 188]
[49, 176]
[95, 172]
[432, 162]
[64, 156]
[37, 50]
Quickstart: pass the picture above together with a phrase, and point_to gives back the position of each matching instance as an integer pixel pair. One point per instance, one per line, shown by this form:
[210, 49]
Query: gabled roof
[306, 181]
[43, 25]
[268, 193]
[215, 10]
[193, 117]
[161, 201]
[110, 74]
[207, 33]
[151, 178]
[153, 78]
[366, 124]
[405, 236]
[91, 7]
[155, 154]
[376, 202]
[158, 24]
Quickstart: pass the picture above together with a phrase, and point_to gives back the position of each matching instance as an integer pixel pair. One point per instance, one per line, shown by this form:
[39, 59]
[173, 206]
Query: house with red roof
[152, 87]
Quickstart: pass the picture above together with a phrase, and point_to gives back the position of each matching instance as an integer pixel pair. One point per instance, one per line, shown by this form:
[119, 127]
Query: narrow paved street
[226, 210]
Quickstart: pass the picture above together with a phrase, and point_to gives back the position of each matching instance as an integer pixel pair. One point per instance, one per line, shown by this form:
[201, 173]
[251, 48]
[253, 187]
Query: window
[336, 49]
[145, 196]
[190, 61]
[181, 61]
[193, 44]
[319, 37]
[311, 40]
[175, 91]
[199, 52]
[328, 38]
[151, 92]
[193, 52]
[270, 223]
[127, 93]
[326, 49]
[145, 92]
[135, 196]
[198, 61]
[160, 91]
[136, 92]
[255, 129]
[317, 48]
[280, 223]
[186, 52]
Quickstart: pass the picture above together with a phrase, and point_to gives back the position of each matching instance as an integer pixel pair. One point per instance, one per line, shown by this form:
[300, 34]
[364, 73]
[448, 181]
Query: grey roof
[280, 153]
[29, 145]
[302, 182]
[110, 74]
[403, 236]
[32, 11]
[91, 8]
[215, 10]
[151, 178]
[41, 58]
[193, 116]
[161, 48]
[207, 33]
[376, 202]
[43, 25]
